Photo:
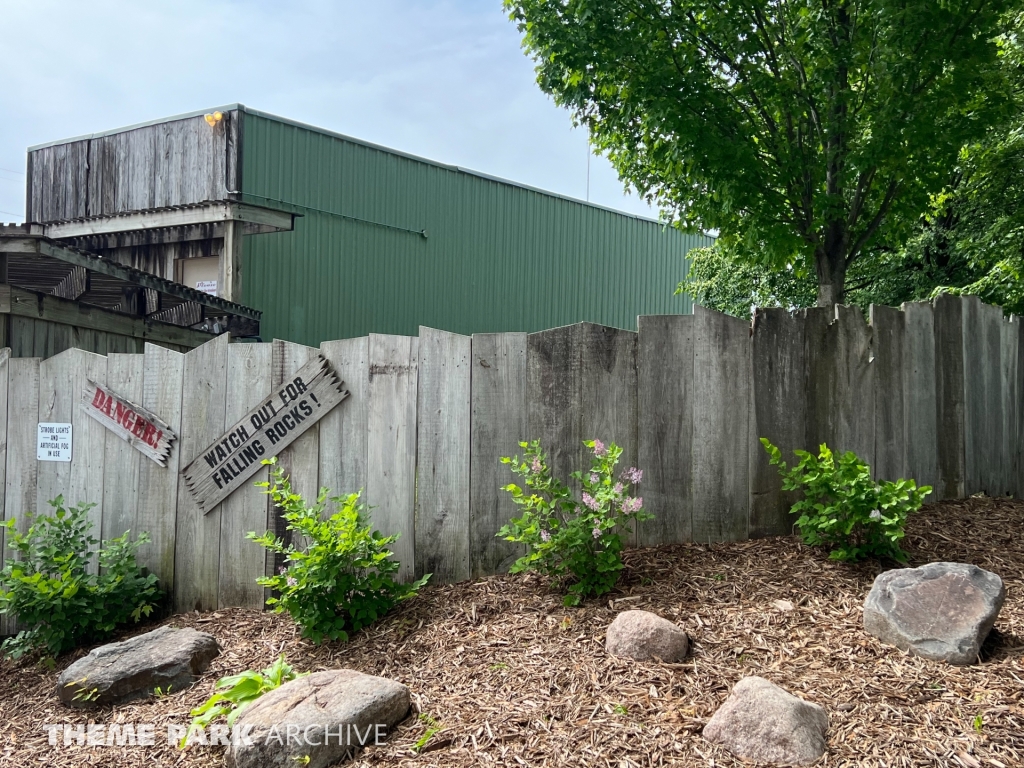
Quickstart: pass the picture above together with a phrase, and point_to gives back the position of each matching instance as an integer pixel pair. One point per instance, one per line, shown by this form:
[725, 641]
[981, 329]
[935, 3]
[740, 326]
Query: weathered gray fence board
[665, 427]
[778, 412]
[840, 383]
[80, 481]
[553, 362]
[5, 357]
[992, 470]
[391, 446]
[343, 431]
[1010, 402]
[241, 560]
[22, 468]
[197, 536]
[121, 462]
[721, 406]
[919, 399]
[608, 393]
[163, 383]
[497, 426]
[1019, 452]
[983, 433]
[300, 461]
[442, 456]
[889, 342]
[949, 396]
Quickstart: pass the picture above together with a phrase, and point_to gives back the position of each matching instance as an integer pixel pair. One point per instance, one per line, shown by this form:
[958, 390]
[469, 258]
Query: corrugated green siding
[498, 257]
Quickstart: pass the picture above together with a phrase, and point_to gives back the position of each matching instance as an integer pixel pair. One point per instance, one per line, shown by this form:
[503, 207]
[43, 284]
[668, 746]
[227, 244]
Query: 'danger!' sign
[265, 431]
[138, 427]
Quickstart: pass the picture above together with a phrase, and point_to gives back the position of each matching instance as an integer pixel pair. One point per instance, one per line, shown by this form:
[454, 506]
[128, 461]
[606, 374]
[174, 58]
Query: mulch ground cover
[502, 674]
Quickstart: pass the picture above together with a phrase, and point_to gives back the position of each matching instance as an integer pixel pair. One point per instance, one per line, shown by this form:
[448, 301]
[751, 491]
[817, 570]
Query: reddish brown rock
[643, 635]
[941, 611]
[763, 723]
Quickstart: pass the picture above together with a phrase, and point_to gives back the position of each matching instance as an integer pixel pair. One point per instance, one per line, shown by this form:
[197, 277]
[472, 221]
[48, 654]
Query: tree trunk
[830, 259]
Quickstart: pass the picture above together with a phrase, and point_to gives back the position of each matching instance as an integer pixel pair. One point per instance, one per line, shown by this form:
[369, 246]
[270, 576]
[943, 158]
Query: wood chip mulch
[507, 676]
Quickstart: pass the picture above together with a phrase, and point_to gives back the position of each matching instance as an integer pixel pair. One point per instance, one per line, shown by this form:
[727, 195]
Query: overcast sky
[444, 80]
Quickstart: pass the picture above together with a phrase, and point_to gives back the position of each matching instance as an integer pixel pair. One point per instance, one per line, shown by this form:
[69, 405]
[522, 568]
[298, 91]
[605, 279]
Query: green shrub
[843, 508]
[235, 692]
[339, 583]
[49, 588]
[578, 542]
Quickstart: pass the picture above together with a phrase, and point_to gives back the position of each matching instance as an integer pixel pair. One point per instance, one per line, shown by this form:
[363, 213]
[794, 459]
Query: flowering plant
[577, 542]
[843, 508]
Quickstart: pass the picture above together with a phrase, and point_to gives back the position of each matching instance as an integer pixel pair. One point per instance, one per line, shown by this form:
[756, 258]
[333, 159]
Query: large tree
[806, 132]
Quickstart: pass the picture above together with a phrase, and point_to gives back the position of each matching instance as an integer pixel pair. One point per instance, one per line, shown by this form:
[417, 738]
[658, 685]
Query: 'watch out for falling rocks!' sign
[265, 431]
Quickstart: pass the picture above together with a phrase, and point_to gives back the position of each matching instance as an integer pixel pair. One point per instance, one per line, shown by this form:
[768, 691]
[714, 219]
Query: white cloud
[445, 80]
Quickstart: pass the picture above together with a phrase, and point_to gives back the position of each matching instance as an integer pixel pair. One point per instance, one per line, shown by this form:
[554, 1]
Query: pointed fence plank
[920, 408]
[983, 414]
[1019, 450]
[888, 328]
[5, 356]
[722, 394]
[122, 462]
[949, 396]
[249, 370]
[1010, 404]
[391, 446]
[665, 427]
[497, 426]
[554, 394]
[300, 461]
[163, 381]
[343, 431]
[203, 420]
[63, 378]
[778, 413]
[442, 456]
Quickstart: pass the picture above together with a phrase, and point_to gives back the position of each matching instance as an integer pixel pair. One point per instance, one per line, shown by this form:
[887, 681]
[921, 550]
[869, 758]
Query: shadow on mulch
[511, 677]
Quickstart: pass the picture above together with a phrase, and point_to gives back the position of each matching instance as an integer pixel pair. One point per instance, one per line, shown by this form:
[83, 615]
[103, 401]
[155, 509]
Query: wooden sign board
[265, 431]
[140, 428]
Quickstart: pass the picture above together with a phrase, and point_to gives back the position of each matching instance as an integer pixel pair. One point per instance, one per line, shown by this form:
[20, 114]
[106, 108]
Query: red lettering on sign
[98, 398]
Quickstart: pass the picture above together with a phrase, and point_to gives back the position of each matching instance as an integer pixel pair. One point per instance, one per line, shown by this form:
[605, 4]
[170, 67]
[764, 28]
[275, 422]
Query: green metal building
[379, 241]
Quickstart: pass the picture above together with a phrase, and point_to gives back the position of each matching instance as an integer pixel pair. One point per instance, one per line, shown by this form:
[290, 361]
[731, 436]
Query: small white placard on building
[53, 442]
[207, 286]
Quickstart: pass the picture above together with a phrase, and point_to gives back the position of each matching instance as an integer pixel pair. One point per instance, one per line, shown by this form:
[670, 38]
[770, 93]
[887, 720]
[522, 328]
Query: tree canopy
[809, 134]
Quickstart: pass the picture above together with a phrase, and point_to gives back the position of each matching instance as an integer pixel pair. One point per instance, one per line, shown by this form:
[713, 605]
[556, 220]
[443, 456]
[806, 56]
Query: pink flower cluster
[632, 504]
[596, 533]
[594, 478]
[591, 502]
[633, 475]
[545, 536]
[599, 448]
[535, 466]
[617, 488]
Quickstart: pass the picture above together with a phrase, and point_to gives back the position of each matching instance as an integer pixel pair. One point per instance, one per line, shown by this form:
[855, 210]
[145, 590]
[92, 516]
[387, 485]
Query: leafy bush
[575, 541]
[49, 587]
[235, 692]
[843, 508]
[339, 583]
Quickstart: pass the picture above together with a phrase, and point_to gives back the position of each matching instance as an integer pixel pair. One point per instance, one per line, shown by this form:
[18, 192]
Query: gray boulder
[941, 611]
[762, 723]
[643, 635]
[168, 658]
[324, 716]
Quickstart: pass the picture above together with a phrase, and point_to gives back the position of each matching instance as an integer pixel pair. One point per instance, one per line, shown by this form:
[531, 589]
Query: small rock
[941, 611]
[762, 723]
[643, 635]
[322, 716]
[167, 658]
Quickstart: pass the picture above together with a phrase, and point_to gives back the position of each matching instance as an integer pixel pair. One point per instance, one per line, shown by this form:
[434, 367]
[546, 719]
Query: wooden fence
[931, 391]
